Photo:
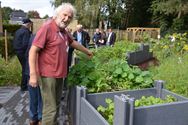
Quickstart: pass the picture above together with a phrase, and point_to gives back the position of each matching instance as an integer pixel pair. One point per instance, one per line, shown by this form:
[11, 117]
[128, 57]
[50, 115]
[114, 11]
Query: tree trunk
[180, 11]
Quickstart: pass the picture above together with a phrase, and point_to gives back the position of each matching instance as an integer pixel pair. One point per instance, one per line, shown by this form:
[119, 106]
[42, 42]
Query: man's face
[64, 18]
[97, 30]
[110, 30]
[79, 29]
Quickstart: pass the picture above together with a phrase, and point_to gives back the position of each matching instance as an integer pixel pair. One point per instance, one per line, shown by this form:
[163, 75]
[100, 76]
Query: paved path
[14, 107]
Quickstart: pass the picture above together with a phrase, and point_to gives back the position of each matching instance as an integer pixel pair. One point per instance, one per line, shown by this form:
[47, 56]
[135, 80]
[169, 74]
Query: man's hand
[90, 54]
[33, 80]
[81, 48]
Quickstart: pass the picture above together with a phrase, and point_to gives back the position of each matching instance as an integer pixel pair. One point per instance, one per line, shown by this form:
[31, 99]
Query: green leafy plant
[173, 71]
[171, 44]
[107, 71]
[10, 73]
[107, 112]
[147, 101]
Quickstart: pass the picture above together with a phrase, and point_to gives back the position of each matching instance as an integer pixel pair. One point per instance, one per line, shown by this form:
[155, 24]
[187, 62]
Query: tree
[33, 14]
[176, 10]
[167, 7]
[116, 13]
[56, 3]
[6, 11]
[46, 16]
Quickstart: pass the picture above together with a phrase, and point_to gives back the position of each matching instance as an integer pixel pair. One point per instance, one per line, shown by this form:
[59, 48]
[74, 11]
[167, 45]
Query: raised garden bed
[125, 113]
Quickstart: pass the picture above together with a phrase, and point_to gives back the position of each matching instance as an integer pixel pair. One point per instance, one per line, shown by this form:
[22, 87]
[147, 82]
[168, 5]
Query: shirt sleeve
[41, 37]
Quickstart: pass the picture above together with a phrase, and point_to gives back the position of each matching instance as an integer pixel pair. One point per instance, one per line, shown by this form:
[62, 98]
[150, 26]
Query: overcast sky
[42, 6]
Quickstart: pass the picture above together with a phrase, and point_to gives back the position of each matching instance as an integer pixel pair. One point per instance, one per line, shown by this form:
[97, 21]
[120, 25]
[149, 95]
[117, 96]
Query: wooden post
[1, 23]
[6, 47]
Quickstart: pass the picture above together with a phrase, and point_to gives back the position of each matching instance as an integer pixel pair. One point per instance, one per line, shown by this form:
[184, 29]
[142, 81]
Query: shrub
[11, 29]
[10, 73]
[10, 47]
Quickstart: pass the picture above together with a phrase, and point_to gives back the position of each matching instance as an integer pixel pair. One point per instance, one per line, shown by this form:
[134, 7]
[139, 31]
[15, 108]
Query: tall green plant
[10, 73]
[173, 71]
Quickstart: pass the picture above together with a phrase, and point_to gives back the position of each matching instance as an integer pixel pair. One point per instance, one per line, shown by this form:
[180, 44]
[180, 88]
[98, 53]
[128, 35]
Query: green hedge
[11, 29]
[10, 46]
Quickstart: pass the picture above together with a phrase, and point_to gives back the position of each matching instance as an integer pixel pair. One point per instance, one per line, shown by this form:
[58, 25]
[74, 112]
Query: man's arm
[81, 48]
[32, 64]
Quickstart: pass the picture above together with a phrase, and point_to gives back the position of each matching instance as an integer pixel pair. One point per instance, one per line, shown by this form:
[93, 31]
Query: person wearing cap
[20, 45]
[48, 60]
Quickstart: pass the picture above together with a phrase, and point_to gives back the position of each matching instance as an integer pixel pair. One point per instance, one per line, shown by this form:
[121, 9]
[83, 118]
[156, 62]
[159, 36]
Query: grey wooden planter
[125, 113]
[139, 56]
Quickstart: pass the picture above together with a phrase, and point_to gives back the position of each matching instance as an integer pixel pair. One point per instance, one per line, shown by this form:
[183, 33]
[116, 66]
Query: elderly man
[20, 45]
[82, 37]
[48, 60]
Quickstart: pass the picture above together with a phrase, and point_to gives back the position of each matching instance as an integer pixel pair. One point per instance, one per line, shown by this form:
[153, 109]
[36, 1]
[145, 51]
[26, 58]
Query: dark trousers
[70, 54]
[35, 105]
[22, 59]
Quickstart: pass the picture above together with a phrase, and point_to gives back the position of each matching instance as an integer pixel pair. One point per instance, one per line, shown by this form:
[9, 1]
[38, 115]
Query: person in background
[96, 37]
[102, 41]
[20, 45]
[48, 58]
[35, 99]
[82, 37]
[111, 37]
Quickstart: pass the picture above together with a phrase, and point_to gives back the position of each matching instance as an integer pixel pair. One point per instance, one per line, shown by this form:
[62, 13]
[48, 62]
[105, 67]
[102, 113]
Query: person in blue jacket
[20, 45]
[35, 98]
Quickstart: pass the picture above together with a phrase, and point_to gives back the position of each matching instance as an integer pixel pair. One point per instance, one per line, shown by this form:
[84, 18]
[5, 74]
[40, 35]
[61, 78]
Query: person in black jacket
[80, 36]
[97, 37]
[20, 45]
[111, 37]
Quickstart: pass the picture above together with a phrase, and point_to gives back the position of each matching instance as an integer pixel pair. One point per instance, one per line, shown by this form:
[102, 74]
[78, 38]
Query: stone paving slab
[14, 107]
[6, 93]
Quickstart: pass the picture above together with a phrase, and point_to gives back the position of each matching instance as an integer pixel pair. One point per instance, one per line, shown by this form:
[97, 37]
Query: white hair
[79, 26]
[63, 7]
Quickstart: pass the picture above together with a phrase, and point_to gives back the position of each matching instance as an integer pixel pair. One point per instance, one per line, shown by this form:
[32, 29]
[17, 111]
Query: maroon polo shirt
[52, 58]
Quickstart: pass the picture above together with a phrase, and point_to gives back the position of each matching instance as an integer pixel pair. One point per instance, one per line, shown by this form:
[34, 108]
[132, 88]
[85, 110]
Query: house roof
[18, 14]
